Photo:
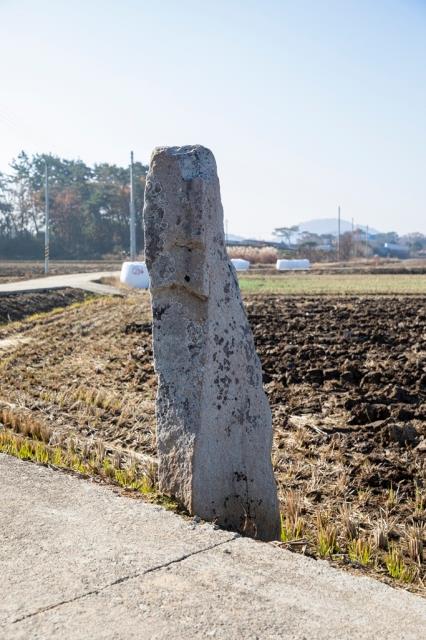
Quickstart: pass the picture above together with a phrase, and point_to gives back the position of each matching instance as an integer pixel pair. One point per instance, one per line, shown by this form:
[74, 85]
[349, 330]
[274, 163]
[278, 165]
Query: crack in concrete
[132, 576]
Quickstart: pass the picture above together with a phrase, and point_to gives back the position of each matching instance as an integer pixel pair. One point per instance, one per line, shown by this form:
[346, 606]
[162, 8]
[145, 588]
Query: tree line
[352, 244]
[88, 208]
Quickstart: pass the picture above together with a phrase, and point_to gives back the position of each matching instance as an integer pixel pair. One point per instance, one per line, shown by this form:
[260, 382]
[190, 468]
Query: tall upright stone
[214, 430]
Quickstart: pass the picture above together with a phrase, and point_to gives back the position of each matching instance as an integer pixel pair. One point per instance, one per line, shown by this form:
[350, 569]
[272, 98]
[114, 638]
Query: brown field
[259, 256]
[14, 270]
[346, 378]
[262, 260]
[15, 307]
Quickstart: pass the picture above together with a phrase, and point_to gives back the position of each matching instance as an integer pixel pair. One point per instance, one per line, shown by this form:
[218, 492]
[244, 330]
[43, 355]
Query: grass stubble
[54, 413]
[379, 533]
[92, 463]
[333, 284]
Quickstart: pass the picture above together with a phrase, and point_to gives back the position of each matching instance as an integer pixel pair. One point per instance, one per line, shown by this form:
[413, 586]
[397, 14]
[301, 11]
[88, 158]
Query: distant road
[85, 281]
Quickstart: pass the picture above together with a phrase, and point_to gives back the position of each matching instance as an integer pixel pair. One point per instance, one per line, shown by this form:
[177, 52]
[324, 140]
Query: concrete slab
[79, 561]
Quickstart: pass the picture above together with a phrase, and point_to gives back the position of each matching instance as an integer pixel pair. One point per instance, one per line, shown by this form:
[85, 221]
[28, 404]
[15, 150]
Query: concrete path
[78, 561]
[83, 281]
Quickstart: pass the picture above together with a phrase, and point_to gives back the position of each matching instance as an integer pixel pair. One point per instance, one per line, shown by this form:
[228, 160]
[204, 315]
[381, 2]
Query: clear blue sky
[306, 104]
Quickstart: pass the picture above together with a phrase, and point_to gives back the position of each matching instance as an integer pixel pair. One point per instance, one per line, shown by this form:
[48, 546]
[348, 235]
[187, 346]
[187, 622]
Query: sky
[306, 104]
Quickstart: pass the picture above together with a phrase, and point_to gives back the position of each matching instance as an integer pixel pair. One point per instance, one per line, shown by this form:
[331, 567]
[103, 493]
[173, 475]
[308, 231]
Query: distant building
[392, 250]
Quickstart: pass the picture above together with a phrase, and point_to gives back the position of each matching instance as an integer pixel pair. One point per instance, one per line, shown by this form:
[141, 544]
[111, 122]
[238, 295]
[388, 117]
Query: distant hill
[329, 225]
[233, 238]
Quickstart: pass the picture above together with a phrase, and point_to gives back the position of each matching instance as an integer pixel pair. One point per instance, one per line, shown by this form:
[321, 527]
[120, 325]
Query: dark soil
[357, 368]
[20, 305]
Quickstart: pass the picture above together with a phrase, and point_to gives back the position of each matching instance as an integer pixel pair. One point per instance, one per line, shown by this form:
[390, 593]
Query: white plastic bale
[290, 265]
[135, 275]
[240, 264]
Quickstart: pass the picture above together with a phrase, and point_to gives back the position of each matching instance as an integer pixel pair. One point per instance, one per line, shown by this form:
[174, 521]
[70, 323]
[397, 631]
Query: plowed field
[346, 378]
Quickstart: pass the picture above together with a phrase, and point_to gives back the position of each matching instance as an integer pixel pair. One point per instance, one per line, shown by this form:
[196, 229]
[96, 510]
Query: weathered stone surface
[214, 428]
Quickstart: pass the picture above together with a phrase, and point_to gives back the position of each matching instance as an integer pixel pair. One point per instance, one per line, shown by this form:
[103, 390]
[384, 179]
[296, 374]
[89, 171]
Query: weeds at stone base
[360, 551]
[344, 537]
[326, 537]
[95, 466]
[350, 546]
[397, 568]
[292, 524]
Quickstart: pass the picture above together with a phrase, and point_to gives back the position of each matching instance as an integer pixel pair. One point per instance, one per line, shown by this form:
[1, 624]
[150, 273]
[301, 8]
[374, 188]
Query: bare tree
[285, 232]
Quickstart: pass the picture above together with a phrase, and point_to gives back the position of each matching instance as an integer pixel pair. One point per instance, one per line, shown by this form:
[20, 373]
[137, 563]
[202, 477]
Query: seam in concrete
[132, 576]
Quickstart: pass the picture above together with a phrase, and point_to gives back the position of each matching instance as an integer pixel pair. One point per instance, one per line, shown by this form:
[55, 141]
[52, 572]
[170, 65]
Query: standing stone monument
[214, 429]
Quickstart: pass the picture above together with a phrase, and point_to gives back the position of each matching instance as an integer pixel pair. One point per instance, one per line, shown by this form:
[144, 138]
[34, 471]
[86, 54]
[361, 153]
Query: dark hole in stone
[187, 278]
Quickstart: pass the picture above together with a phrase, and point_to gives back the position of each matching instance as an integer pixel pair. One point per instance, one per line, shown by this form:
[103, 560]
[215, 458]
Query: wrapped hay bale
[135, 275]
[292, 265]
[240, 264]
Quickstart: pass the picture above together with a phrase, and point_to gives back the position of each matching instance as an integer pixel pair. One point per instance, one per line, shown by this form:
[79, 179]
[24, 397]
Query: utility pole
[366, 243]
[356, 240]
[46, 218]
[338, 233]
[132, 213]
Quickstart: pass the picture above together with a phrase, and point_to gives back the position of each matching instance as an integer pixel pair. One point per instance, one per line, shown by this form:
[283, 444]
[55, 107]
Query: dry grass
[382, 533]
[326, 543]
[292, 525]
[332, 284]
[398, 568]
[24, 423]
[261, 255]
[414, 537]
[72, 377]
[360, 551]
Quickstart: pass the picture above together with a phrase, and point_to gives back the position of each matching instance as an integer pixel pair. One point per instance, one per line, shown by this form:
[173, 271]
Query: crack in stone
[132, 576]
[179, 286]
